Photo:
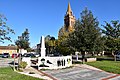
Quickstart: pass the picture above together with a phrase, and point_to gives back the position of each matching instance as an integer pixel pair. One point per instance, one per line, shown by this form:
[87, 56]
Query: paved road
[5, 62]
[82, 73]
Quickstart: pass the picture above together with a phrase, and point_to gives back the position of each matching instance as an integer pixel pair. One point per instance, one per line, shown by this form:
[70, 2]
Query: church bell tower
[69, 19]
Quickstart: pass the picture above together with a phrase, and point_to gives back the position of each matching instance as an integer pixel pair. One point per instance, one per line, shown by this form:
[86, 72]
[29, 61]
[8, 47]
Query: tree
[25, 35]
[4, 29]
[50, 44]
[62, 46]
[112, 33]
[87, 35]
[23, 41]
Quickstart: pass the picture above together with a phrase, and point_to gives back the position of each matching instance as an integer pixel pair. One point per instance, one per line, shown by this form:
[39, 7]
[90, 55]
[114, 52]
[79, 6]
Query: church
[69, 21]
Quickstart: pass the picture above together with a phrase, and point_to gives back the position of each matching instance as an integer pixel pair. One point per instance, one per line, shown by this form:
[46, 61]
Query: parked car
[14, 55]
[118, 55]
[1, 55]
[28, 55]
[5, 55]
[37, 54]
[57, 54]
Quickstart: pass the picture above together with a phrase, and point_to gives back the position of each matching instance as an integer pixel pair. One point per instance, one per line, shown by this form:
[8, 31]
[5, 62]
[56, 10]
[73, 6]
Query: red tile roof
[8, 47]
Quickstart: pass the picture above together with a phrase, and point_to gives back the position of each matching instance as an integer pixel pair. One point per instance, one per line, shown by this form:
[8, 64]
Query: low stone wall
[90, 59]
[54, 62]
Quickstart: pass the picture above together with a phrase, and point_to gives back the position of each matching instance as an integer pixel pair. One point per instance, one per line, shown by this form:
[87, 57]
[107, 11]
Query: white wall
[57, 62]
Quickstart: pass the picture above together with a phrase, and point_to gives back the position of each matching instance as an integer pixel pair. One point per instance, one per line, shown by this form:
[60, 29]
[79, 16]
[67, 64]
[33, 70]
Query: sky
[46, 17]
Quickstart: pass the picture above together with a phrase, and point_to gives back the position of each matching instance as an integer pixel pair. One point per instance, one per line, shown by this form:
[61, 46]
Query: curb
[110, 77]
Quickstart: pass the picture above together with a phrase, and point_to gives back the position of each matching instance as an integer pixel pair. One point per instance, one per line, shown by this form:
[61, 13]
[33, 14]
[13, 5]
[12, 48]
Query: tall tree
[112, 33]
[23, 41]
[62, 46]
[87, 35]
[4, 29]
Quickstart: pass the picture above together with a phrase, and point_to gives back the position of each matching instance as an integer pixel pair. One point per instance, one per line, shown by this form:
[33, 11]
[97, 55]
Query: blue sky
[46, 17]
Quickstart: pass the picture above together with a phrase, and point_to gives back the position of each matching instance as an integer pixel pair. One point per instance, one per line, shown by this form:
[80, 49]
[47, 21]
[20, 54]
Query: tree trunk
[14, 64]
[103, 53]
[93, 53]
[83, 57]
[114, 55]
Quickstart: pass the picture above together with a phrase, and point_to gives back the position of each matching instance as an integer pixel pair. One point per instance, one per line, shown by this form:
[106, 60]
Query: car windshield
[6, 53]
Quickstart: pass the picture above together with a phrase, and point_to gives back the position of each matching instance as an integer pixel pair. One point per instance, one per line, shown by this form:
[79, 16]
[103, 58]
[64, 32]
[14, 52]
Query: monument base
[54, 62]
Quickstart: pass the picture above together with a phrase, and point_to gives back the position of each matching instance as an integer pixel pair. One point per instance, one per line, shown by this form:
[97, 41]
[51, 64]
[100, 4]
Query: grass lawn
[9, 74]
[109, 66]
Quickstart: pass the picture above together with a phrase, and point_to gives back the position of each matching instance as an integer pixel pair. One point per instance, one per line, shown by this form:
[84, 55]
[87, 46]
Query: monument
[54, 62]
[43, 53]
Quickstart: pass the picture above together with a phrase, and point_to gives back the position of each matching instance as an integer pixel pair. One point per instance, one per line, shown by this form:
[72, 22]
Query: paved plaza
[82, 72]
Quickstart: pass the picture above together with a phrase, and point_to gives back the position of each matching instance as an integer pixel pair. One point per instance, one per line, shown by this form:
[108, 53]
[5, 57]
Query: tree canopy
[49, 43]
[87, 35]
[112, 33]
[23, 41]
[4, 29]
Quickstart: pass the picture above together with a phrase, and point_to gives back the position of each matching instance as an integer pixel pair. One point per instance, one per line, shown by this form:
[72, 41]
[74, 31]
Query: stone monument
[43, 52]
[54, 62]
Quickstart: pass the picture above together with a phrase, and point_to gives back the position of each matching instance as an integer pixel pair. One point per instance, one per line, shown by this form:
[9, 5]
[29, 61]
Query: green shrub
[23, 64]
[20, 70]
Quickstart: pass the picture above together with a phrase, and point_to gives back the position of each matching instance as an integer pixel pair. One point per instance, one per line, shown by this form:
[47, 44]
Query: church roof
[69, 11]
